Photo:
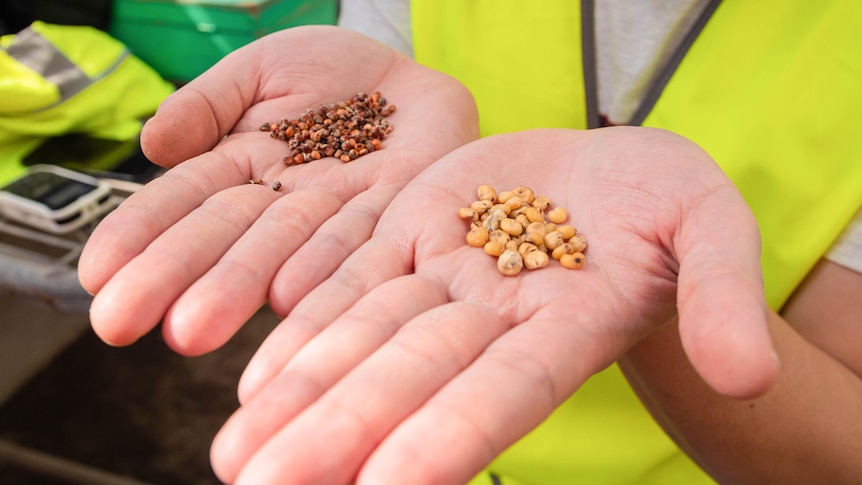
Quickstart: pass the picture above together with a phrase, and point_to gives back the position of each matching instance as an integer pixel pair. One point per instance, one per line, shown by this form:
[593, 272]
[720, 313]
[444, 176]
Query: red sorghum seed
[345, 130]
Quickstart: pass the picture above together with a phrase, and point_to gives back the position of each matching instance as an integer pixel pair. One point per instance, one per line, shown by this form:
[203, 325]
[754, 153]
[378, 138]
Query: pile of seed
[522, 231]
[345, 130]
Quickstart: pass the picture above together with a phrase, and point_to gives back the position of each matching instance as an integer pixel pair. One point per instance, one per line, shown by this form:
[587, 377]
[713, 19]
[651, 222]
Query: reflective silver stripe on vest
[39, 54]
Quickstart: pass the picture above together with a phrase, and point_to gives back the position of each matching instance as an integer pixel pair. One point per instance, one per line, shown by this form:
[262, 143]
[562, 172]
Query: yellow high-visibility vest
[772, 90]
[61, 79]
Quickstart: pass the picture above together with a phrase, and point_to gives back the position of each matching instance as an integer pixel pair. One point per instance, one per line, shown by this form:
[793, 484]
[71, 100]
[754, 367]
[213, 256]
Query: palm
[418, 360]
[201, 245]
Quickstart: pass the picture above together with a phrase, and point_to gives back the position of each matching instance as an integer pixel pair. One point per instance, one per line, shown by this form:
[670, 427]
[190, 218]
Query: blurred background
[72, 409]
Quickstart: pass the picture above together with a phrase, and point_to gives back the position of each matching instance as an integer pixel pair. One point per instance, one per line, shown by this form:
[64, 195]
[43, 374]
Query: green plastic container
[181, 39]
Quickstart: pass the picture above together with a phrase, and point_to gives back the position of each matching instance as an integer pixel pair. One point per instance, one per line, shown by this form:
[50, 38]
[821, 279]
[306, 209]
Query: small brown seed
[276, 186]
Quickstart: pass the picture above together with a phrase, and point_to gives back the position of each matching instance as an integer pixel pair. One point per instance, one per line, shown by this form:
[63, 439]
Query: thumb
[722, 307]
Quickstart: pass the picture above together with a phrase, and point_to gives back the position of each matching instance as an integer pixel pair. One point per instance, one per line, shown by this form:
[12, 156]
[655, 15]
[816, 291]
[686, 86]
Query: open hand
[199, 247]
[418, 362]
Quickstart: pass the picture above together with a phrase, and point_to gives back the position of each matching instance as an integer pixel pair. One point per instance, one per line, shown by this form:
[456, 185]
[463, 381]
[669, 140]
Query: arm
[806, 429]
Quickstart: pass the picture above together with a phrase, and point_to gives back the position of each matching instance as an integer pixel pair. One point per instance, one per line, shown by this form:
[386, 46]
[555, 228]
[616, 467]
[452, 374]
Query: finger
[319, 365]
[721, 304]
[134, 300]
[375, 262]
[222, 300]
[328, 247]
[131, 227]
[511, 388]
[347, 422]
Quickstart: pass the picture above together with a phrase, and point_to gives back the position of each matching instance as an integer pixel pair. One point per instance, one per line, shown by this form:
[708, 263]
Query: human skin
[379, 369]
[418, 362]
[806, 428]
[199, 248]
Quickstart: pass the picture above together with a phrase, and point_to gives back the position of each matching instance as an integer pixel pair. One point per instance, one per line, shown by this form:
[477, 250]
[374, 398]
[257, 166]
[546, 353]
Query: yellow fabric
[774, 93]
[783, 126]
[122, 90]
[499, 50]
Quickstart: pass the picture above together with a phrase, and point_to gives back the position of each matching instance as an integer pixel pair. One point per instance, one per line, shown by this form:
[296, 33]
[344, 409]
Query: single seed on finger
[276, 186]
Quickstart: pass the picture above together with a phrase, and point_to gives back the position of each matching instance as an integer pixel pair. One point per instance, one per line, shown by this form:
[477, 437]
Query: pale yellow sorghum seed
[512, 227]
[542, 202]
[516, 227]
[494, 248]
[468, 213]
[503, 197]
[553, 240]
[534, 215]
[562, 249]
[499, 236]
[481, 206]
[525, 193]
[477, 237]
[536, 260]
[514, 203]
[567, 231]
[573, 261]
[558, 215]
[510, 263]
[526, 248]
[486, 192]
[579, 242]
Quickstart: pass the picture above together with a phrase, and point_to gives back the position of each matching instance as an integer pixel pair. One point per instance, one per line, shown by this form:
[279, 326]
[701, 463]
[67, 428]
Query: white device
[55, 199]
